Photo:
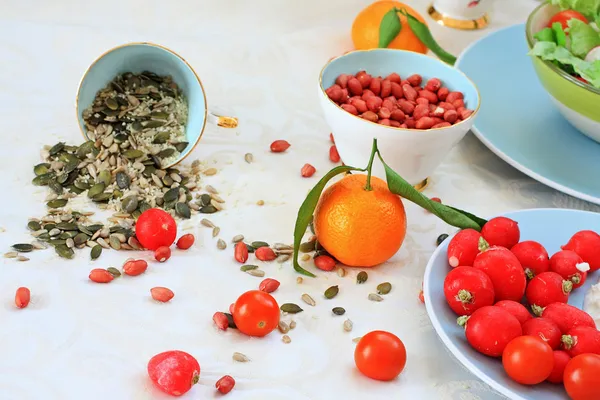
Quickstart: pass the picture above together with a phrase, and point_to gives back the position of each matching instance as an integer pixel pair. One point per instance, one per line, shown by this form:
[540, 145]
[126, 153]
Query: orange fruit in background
[365, 29]
[359, 227]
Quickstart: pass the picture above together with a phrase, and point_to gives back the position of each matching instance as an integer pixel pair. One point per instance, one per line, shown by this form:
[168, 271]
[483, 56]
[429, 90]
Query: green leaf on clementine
[389, 28]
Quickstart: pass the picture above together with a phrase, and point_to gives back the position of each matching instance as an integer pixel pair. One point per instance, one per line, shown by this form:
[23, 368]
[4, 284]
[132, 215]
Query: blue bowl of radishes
[508, 302]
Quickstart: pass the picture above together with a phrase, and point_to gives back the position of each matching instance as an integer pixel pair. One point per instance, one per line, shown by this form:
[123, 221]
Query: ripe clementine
[359, 227]
[365, 29]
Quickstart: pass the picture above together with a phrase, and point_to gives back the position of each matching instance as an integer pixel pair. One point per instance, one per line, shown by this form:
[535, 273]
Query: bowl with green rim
[578, 102]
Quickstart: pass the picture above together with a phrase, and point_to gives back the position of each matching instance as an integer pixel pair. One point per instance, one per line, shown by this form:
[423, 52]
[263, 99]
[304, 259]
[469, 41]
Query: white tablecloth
[258, 60]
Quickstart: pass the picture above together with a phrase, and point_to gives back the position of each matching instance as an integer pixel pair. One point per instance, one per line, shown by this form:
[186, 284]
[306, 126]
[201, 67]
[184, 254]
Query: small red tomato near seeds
[186, 241]
[155, 228]
[489, 329]
[174, 372]
[463, 248]
[504, 270]
[532, 256]
[466, 289]
[587, 245]
[100, 275]
[566, 317]
[324, 263]
[220, 320]
[528, 360]
[545, 329]
[225, 384]
[501, 231]
[162, 254]
[22, 297]
[135, 267]
[380, 355]
[570, 266]
[307, 171]
[256, 313]
[265, 254]
[334, 156]
[161, 294]
[561, 359]
[582, 377]
[518, 310]
[421, 297]
[580, 340]
[279, 146]
[547, 288]
[268, 285]
[240, 252]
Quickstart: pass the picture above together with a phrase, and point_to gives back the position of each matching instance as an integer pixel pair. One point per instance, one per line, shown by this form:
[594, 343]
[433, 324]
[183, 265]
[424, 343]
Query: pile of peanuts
[399, 103]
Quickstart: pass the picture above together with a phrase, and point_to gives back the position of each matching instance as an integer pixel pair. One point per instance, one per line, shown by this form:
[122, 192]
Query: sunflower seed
[283, 327]
[221, 245]
[282, 246]
[341, 272]
[286, 339]
[308, 300]
[239, 357]
[361, 277]
[291, 308]
[22, 247]
[22, 258]
[249, 158]
[211, 189]
[11, 254]
[384, 288]
[70, 243]
[260, 203]
[299, 280]
[217, 198]
[103, 243]
[210, 171]
[348, 325]
[215, 231]
[134, 243]
[216, 205]
[285, 251]
[55, 232]
[283, 258]
[256, 272]
[338, 310]
[331, 292]
[305, 257]
[292, 324]
[375, 297]
[39, 245]
[237, 238]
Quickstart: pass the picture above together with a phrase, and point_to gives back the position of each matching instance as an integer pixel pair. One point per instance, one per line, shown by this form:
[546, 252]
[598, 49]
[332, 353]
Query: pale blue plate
[518, 122]
[534, 226]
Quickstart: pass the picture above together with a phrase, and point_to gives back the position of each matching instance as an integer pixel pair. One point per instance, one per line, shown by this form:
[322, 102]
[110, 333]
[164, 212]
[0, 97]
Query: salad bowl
[558, 68]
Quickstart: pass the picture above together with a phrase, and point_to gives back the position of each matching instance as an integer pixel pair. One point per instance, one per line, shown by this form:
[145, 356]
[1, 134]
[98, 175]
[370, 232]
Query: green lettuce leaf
[559, 34]
[589, 8]
[545, 35]
[583, 37]
[549, 51]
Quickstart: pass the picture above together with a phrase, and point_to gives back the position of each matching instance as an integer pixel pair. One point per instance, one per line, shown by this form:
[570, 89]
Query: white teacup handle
[222, 121]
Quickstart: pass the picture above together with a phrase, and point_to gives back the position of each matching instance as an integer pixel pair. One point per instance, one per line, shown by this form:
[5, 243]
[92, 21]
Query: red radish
[566, 317]
[570, 266]
[587, 245]
[501, 231]
[174, 372]
[580, 340]
[544, 328]
[466, 289]
[518, 310]
[463, 248]
[504, 270]
[561, 359]
[532, 256]
[489, 329]
[547, 288]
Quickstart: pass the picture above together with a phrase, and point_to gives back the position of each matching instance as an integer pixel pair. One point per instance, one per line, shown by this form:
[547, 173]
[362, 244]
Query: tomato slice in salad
[580, 79]
[563, 18]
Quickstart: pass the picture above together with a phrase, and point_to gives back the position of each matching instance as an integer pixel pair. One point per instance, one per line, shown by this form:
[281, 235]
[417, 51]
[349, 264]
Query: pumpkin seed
[183, 210]
[291, 308]
[208, 209]
[331, 292]
[239, 357]
[215, 231]
[361, 277]
[84, 149]
[129, 204]
[307, 247]
[104, 176]
[221, 245]
[111, 103]
[41, 169]
[57, 242]
[11, 254]
[43, 180]
[171, 195]
[67, 226]
[441, 238]
[207, 222]
[250, 248]
[249, 158]
[283, 327]
[95, 252]
[57, 203]
[55, 186]
[237, 238]
[64, 252]
[286, 339]
[57, 148]
[308, 300]
[181, 146]
[34, 225]
[257, 244]
[114, 242]
[102, 197]
[248, 267]
[23, 247]
[205, 199]
[96, 190]
[154, 123]
[256, 272]
[132, 154]
[161, 137]
[123, 180]
[114, 272]
[375, 297]
[165, 153]
[384, 288]
[348, 325]
[338, 310]
[80, 239]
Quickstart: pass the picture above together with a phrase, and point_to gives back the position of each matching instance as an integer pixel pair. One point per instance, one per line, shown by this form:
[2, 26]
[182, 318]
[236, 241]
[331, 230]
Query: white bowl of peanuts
[416, 106]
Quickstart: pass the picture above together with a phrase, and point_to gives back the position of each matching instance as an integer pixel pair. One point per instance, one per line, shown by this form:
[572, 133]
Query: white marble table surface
[258, 60]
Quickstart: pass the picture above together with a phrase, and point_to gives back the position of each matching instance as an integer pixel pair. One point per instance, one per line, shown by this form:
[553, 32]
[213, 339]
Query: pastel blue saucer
[534, 226]
[519, 123]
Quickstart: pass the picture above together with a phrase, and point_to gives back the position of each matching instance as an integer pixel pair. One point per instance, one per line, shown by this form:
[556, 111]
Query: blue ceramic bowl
[139, 57]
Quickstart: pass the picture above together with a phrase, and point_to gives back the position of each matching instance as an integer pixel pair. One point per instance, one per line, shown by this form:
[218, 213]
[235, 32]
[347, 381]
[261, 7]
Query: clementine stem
[370, 165]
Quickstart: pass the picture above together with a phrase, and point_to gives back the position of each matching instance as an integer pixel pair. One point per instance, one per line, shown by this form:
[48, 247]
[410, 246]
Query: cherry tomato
[505, 271]
[466, 289]
[380, 355]
[501, 231]
[582, 377]
[155, 228]
[561, 359]
[256, 313]
[532, 256]
[563, 18]
[544, 328]
[518, 310]
[528, 360]
[489, 329]
[174, 372]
